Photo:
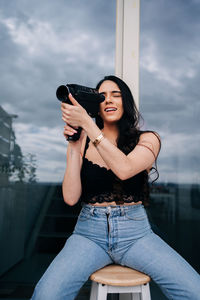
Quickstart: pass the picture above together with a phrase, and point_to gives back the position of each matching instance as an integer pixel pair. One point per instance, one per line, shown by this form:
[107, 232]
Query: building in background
[7, 145]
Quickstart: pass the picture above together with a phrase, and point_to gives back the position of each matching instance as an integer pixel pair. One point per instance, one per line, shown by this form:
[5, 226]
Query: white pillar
[127, 44]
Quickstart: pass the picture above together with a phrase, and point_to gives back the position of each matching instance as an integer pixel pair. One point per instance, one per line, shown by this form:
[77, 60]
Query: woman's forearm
[122, 165]
[114, 158]
[71, 185]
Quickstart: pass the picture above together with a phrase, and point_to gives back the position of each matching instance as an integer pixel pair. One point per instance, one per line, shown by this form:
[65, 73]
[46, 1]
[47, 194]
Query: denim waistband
[111, 209]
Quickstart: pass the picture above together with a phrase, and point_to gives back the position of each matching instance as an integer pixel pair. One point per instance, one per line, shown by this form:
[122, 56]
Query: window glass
[169, 103]
[43, 44]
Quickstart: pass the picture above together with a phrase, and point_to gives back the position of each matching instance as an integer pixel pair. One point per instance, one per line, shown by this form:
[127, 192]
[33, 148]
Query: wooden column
[127, 44]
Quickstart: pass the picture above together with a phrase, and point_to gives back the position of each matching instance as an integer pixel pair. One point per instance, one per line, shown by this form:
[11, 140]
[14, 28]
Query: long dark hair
[128, 125]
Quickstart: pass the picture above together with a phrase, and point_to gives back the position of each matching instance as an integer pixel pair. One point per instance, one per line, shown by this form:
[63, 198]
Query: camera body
[87, 97]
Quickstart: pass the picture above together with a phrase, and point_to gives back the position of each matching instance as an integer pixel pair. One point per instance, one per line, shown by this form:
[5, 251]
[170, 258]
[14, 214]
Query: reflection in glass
[42, 49]
[169, 103]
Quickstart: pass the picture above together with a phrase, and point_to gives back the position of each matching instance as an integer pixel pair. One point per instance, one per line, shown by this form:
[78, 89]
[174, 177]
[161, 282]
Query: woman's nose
[108, 99]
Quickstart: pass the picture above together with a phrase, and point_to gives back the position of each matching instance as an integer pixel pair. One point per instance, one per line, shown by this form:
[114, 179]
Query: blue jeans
[121, 235]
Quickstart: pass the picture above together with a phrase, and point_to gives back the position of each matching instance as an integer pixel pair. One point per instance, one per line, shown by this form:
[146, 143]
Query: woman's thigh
[167, 268]
[79, 258]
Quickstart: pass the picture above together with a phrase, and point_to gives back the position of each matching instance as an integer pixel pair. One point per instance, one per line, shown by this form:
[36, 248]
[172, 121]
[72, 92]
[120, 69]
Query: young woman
[108, 169]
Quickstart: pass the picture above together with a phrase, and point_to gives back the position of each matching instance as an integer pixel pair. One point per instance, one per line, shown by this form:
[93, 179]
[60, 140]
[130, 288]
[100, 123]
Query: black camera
[87, 97]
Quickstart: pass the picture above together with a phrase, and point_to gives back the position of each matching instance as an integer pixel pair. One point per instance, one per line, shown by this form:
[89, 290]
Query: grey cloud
[170, 65]
[167, 107]
[179, 158]
[170, 30]
[36, 75]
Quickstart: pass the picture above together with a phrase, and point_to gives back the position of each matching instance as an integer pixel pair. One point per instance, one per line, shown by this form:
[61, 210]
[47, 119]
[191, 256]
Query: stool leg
[146, 292]
[135, 296]
[93, 292]
[102, 292]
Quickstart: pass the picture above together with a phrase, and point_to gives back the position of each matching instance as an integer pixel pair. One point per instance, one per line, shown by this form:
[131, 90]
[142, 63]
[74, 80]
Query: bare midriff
[114, 204]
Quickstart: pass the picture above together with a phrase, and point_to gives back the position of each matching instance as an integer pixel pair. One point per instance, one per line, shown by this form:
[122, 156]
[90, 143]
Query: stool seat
[116, 275]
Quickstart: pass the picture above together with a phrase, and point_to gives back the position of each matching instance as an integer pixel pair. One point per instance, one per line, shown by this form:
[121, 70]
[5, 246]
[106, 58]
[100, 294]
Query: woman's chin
[110, 121]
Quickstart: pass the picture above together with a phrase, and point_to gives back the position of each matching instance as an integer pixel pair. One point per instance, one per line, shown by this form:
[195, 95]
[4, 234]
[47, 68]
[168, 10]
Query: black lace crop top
[102, 185]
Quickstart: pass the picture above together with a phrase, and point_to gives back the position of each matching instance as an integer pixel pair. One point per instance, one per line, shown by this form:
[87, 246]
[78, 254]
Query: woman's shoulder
[149, 134]
[151, 139]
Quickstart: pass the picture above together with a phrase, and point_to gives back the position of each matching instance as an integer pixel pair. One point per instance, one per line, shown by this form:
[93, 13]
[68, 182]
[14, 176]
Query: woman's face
[111, 110]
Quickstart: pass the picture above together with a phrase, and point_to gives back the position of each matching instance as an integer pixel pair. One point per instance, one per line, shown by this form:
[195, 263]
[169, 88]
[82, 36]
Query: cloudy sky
[47, 43]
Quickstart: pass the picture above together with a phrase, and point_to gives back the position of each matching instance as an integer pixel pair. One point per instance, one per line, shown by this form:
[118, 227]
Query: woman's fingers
[68, 130]
[65, 106]
[73, 114]
[68, 112]
[73, 100]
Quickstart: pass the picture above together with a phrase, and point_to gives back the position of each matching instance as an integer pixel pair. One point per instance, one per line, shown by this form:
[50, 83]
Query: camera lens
[62, 93]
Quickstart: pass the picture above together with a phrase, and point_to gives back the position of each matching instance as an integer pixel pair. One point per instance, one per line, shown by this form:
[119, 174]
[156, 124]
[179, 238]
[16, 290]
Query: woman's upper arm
[145, 153]
[151, 141]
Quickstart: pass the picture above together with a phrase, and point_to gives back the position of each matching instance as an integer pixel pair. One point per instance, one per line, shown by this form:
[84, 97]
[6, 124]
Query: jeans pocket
[136, 215]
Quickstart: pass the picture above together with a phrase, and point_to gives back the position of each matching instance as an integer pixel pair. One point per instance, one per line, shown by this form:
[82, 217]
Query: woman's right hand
[69, 131]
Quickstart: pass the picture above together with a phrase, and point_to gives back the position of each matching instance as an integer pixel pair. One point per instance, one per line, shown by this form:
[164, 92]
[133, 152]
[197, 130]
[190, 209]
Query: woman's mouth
[110, 109]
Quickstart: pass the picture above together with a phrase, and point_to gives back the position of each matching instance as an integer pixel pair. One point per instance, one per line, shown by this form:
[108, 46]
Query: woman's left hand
[74, 115]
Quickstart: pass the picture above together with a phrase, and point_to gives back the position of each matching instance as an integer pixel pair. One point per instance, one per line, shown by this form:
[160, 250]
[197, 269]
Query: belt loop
[92, 210]
[108, 209]
[122, 211]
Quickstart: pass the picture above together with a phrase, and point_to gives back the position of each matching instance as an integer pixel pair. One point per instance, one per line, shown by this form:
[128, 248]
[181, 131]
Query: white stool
[131, 284]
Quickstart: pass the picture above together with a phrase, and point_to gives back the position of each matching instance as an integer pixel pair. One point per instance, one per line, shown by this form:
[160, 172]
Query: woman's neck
[111, 132]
